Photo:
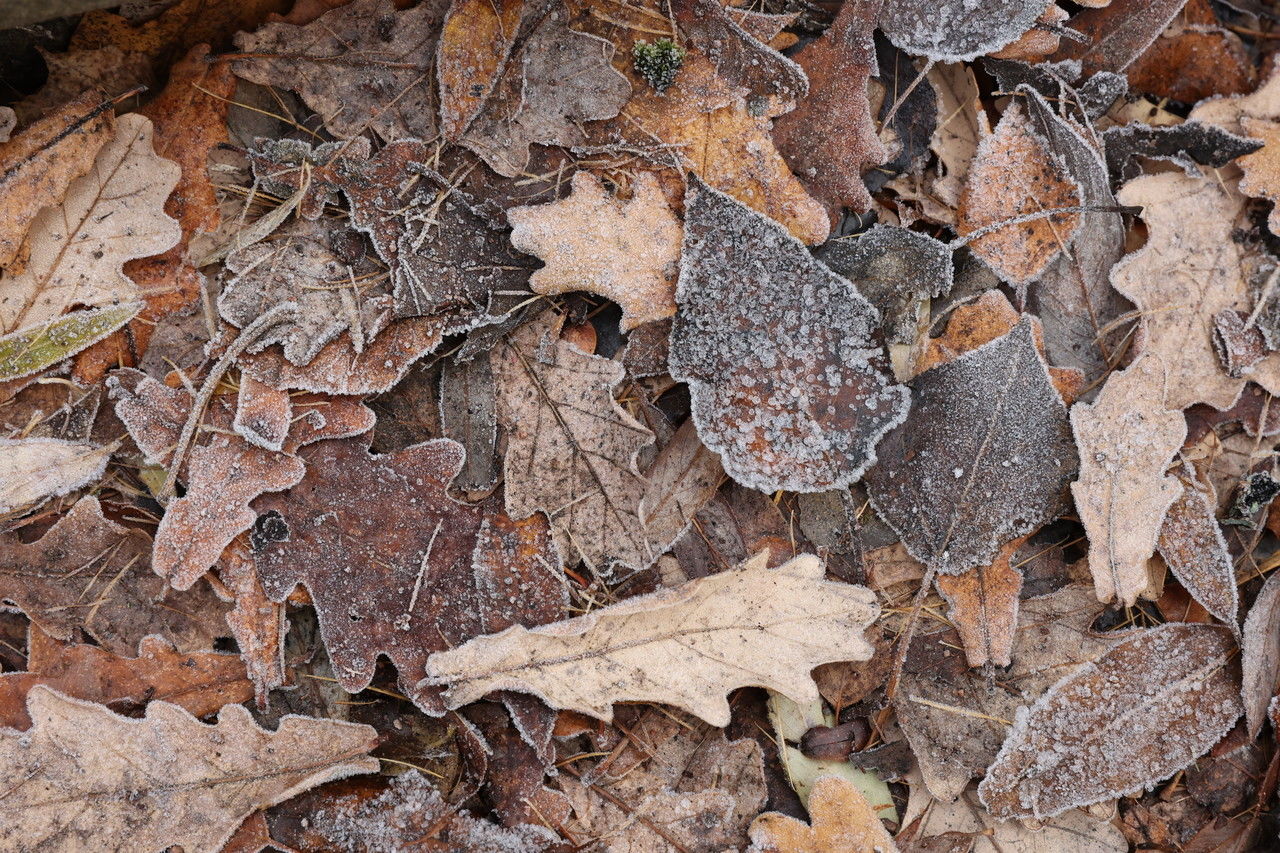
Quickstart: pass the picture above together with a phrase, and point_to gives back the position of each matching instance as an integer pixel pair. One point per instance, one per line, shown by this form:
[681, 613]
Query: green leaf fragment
[29, 350]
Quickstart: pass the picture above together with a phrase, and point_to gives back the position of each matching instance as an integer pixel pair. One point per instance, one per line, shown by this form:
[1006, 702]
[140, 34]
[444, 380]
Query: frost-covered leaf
[363, 65]
[1126, 441]
[26, 352]
[476, 40]
[957, 30]
[1116, 33]
[1015, 173]
[1139, 713]
[85, 778]
[39, 164]
[1189, 145]
[110, 215]
[571, 450]
[840, 819]
[829, 140]
[684, 477]
[984, 455]
[36, 468]
[1260, 659]
[687, 646]
[85, 559]
[1192, 545]
[789, 385]
[627, 251]
[398, 568]
[468, 415]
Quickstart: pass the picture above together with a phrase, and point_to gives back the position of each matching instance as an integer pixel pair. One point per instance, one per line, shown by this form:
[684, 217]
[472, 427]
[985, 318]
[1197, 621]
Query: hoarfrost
[957, 30]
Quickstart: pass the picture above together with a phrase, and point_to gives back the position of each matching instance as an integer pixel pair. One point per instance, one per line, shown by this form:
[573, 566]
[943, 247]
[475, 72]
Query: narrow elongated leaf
[1192, 545]
[1261, 654]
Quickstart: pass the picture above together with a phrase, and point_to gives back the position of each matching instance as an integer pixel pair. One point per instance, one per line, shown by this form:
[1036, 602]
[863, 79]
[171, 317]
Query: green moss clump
[658, 62]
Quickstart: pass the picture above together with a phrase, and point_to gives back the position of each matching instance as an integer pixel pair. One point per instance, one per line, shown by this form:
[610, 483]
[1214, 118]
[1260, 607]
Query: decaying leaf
[983, 605]
[799, 403]
[468, 415]
[675, 646]
[395, 566]
[361, 66]
[198, 682]
[88, 573]
[1121, 723]
[984, 455]
[83, 777]
[110, 215]
[955, 30]
[1260, 658]
[1193, 547]
[841, 820]
[39, 164]
[625, 251]
[35, 468]
[571, 450]
[1015, 173]
[1126, 441]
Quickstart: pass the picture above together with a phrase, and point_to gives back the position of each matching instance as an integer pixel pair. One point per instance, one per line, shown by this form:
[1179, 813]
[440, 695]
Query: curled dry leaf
[83, 777]
[1192, 545]
[1015, 173]
[984, 455]
[1126, 441]
[199, 682]
[38, 165]
[955, 30]
[627, 251]
[675, 646]
[395, 566]
[36, 468]
[110, 215]
[798, 403]
[1260, 659]
[88, 573]
[363, 65]
[1148, 707]
[840, 819]
[571, 450]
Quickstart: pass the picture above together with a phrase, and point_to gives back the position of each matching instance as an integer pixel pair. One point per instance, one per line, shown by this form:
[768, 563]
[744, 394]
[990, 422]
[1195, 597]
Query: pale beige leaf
[840, 819]
[1260, 659]
[687, 646]
[35, 468]
[956, 139]
[680, 481]
[627, 251]
[110, 215]
[84, 778]
[1126, 439]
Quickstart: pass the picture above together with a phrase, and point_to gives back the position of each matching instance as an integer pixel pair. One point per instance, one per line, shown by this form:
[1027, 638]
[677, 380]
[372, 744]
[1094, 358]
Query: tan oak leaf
[687, 646]
[841, 819]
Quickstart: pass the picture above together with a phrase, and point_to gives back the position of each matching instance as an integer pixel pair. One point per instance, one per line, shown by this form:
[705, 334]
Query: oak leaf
[1126, 439]
[85, 778]
[627, 251]
[840, 819]
[110, 215]
[1148, 707]
[687, 646]
[199, 682]
[39, 164]
[984, 455]
[397, 567]
[363, 65]
[799, 404]
[476, 39]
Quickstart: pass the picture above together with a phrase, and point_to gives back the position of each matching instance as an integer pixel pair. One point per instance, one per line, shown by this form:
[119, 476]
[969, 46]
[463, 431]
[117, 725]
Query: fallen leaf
[1192, 545]
[106, 69]
[361, 66]
[680, 482]
[617, 652]
[476, 40]
[161, 780]
[469, 416]
[1260, 655]
[841, 819]
[88, 573]
[263, 414]
[1149, 706]
[1014, 173]
[26, 352]
[1193, 59]
[627, 251]
[956, 31]
[257, 623]
[177, 27]
[395, 566]
[800, 404]
[35, 468]
[983, 605]
[983, 457]
[1117, 33]
[39, 164]
[1190, 145]
[199, 682]
[571, 450]
[1126, 440]
[959, 130]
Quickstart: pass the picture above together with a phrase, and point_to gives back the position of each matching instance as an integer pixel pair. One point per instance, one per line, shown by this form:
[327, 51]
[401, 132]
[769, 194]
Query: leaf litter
[626, 426]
